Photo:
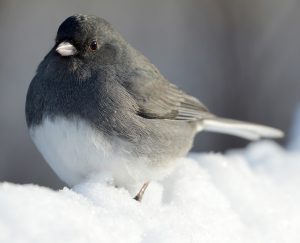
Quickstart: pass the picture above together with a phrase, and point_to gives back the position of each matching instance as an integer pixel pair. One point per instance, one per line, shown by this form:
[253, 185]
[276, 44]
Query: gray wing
[159, 99]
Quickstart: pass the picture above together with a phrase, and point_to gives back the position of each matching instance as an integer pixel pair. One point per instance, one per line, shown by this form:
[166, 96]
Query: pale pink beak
[66, 49]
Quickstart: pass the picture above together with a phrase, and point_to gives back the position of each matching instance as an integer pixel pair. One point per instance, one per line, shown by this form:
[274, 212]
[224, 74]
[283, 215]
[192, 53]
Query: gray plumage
[117, 91]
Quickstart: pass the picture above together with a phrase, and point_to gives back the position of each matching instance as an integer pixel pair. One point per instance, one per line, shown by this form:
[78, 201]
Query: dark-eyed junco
[96, 105]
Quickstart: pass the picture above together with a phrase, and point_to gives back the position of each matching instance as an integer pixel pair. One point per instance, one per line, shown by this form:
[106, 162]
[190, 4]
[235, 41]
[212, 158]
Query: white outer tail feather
[241, 129]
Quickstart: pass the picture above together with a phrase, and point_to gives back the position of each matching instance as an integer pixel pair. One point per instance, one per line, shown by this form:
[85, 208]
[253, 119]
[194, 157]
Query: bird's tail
[241, 129]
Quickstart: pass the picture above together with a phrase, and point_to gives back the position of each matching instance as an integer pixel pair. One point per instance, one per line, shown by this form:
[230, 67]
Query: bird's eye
[94, 45]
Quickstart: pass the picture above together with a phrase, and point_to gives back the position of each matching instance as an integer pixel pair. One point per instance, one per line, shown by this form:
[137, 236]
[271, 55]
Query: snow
[249, 195]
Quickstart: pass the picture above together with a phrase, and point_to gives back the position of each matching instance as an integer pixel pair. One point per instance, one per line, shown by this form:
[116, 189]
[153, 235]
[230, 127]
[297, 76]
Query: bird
[96, 105]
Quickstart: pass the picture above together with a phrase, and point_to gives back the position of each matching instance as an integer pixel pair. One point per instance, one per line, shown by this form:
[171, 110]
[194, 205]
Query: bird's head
[89, 39]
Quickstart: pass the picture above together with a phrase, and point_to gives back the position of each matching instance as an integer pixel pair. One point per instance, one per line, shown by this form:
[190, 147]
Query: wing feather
[157, 98]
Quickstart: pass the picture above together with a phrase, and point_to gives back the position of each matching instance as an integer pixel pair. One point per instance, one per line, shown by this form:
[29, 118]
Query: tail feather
[242, 129]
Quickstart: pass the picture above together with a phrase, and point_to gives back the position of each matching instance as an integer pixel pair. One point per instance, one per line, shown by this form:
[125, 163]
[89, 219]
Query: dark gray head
[88, 39]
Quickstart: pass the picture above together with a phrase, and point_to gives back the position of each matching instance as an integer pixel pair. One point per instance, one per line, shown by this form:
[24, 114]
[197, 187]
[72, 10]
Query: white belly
[75, 151]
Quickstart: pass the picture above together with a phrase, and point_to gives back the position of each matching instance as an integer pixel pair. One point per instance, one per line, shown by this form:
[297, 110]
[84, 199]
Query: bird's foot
[140, 194]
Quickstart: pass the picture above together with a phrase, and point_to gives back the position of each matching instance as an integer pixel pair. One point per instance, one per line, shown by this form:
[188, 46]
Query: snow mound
[249, 195]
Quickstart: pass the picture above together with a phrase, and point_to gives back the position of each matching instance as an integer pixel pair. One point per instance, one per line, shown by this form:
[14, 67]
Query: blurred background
[241, 58]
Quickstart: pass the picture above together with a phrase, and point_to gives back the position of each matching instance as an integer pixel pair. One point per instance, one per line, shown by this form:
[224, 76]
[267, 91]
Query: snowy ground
[250, 195]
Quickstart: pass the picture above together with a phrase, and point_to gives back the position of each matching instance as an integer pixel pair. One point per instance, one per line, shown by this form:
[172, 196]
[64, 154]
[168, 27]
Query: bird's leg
[140, 194]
